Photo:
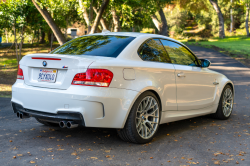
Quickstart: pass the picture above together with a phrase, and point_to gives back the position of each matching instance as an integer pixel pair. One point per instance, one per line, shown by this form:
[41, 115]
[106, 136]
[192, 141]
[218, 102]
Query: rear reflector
[55, 59]
[20, 73]
[94, 77]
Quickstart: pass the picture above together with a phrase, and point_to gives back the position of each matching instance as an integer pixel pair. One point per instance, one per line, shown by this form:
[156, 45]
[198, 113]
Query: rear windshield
[96, 45]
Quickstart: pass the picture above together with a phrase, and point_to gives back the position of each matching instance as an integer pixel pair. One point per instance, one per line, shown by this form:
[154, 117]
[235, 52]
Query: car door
[159, 63]
[195, 88]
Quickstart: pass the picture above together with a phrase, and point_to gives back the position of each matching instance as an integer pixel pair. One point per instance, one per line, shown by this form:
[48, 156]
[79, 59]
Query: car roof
[136, 34]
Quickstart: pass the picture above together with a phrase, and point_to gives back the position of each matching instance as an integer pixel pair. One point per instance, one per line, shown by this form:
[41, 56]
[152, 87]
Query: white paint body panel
[180, 97]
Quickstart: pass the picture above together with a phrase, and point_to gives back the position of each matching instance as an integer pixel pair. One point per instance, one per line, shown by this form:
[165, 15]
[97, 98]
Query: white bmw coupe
[132, 82]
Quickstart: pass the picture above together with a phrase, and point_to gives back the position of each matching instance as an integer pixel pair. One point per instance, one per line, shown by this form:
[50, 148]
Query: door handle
[216, 83]
[181, 75]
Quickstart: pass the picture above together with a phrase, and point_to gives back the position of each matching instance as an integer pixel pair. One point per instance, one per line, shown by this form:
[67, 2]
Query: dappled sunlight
[5, 90]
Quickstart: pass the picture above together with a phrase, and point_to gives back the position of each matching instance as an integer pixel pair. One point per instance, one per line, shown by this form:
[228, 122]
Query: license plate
[47, 75]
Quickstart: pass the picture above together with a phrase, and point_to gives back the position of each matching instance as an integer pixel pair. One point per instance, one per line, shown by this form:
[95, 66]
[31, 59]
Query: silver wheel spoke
[147, 122]
[227, 102]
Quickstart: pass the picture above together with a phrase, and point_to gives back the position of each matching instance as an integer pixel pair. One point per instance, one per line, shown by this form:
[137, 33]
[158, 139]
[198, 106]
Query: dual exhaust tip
[62, 124]
[68, 124]
[22, 115]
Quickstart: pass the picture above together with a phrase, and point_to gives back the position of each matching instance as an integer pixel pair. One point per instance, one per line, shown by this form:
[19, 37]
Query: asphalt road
[201, 141]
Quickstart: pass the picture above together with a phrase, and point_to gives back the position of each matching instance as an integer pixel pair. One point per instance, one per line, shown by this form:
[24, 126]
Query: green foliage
[177, 20]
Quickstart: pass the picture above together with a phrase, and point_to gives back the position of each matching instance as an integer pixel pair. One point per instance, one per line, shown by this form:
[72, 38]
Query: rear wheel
[47, 123]
[143, 120]
[225, 107]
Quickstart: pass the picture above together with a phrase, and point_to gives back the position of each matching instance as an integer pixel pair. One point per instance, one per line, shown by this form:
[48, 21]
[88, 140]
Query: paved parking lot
[201, 141]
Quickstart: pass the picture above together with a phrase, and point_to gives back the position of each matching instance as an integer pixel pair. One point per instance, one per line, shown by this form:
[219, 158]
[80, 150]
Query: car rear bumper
[98, 106]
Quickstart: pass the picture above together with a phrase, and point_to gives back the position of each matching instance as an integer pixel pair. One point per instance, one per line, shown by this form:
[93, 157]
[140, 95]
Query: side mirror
[205, 63]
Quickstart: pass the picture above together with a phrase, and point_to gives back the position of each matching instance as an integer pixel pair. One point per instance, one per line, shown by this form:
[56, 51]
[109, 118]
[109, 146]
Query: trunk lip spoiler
[42, 58]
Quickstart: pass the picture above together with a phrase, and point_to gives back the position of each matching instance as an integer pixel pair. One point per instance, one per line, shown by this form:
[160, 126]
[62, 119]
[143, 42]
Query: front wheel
[225, 107]
[143, 120]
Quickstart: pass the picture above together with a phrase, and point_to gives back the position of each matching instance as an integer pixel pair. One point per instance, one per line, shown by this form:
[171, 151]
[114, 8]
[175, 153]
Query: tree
[46, 15]
[99, 15]
[162, 26]
[157, 7]
[98, 18]
[247, 16]
[216, 7]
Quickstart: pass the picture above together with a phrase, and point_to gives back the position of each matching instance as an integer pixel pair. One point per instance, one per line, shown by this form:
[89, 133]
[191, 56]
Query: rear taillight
[94, 77]
[20, 73]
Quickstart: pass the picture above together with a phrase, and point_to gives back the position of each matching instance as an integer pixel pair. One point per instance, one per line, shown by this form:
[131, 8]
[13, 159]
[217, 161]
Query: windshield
[96, 45]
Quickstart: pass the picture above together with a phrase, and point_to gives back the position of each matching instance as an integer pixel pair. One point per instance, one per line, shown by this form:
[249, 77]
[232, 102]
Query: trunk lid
[67, 67]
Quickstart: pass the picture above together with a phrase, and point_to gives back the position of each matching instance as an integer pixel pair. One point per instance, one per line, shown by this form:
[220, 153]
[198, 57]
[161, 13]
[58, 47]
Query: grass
[238, 47]
[5, 90]
[8, 65]
[235, 45]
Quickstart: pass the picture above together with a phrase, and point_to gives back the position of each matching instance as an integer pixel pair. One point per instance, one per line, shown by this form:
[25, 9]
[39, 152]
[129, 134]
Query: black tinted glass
[96, 45]
[179, 54]
[153, 50]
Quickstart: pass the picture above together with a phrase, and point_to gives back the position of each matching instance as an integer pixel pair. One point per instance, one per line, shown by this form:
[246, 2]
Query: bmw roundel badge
[44, 63]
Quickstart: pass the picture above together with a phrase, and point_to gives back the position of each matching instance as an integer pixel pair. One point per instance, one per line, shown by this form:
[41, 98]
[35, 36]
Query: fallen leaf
[151, 157]
[32, 162]
[107, 151]
[19, 155]
[74, 154]
[95, 158]
[108, 156]
[10, 141]
[68, 136]
[217, 162]
[14, 157]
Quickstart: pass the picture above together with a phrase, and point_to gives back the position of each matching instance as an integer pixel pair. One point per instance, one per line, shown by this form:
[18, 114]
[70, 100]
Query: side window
[179, 54]
[153, 50]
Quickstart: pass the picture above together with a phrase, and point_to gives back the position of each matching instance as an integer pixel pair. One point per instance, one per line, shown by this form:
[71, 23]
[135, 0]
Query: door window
[153, 50]
[179, 54]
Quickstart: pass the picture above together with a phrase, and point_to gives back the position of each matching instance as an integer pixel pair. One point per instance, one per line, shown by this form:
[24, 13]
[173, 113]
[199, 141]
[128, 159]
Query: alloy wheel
[147, 117]
[227, 104]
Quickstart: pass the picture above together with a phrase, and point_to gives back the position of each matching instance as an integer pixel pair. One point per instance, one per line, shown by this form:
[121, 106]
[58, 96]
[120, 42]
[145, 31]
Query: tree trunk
[21, 43]
[90, 15]
[52, 39]
[231, 18]
[247, 19]
[38, 35]
[16, 43]
[216, 7]
[85, 13]
[164, 25]
[42, 41]
[101, 20]
[6, 34]
[99, 15]
[46, 15]
[156, 22]
[65, 34]
[115, 20]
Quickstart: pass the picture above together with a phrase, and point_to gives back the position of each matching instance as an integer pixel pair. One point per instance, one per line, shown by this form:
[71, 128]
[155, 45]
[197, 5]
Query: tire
[47, 123]
[143, 120]
[225, 109]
